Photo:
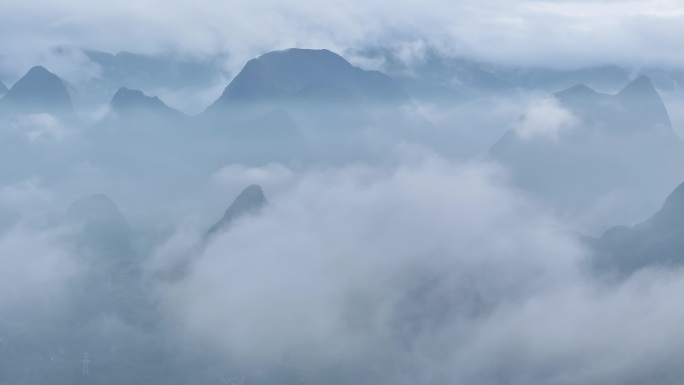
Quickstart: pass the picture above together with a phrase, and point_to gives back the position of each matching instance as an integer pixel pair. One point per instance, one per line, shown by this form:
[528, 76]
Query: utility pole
[86, 364]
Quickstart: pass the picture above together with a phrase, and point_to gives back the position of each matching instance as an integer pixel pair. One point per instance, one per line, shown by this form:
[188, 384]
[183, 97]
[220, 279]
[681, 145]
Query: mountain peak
[93, 207]
[37, 71]
[129, 100]
[672, 211]
[39, 91]
[641, 97]
[676, 198]
[251, 194]
[126, 97]
[100, 226]
[639, 86]
[287, 74]
[250, 200]
[124, 94]
[576, 91]
[306, 58]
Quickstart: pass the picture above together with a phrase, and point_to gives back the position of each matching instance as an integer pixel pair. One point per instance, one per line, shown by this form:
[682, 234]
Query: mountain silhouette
[332, 102]
[140, 135]
[249, 201]
[3, 88]
[294, 72]
[39, 91]
[134, 103]
[658, 241]
[99, 228]
[606, 143]
[637, 107]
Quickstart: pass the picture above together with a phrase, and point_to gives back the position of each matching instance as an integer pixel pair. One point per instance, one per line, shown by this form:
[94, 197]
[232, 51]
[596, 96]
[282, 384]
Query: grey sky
[557, 33]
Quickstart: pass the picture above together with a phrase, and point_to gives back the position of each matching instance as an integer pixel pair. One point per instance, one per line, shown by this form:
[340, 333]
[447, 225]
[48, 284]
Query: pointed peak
[39, 91]
[577, 90]
[126, 95]
[124, 91]
[95, 202]
[671, 214]
[639, 87]
[250, 200]
[39, 71]
[126, 99]
[39, 76]
[252, 193]
[675, 200]
[99, 227]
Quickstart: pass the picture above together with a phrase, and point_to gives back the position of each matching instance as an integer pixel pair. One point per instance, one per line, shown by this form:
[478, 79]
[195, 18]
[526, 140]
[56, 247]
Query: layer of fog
[425, 271]
[54, 155]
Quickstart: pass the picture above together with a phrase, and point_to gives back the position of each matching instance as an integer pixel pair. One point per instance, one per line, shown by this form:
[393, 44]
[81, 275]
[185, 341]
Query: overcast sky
[556, 33]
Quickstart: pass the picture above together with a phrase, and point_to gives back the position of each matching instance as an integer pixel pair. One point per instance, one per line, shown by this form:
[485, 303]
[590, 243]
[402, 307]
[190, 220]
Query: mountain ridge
[286, 73]
[127, 101]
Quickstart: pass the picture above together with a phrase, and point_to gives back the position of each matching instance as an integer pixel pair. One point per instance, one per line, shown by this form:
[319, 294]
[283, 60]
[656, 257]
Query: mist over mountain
[636, 107]
[100, 227]
[581, 145]
[177, 78]
[128, 103]
[429, 74]
[130, 69]
[418, 201]
[3, 88]
[332, 102]
[250, 200]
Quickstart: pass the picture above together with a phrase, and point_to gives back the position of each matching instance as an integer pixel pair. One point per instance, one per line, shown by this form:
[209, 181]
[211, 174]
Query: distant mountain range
[3, 88]
[144, 71]
[294, 105]
[302, 105]
[436, 76]
[606, 143]
[636, 107]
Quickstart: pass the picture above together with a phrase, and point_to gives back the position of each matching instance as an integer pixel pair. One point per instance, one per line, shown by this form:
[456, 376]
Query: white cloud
[284, 282]
[431, 265]
[25, 194]
[545, 118]
[558, 33]
[238, 175]
[34, 270]
[42, 127]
